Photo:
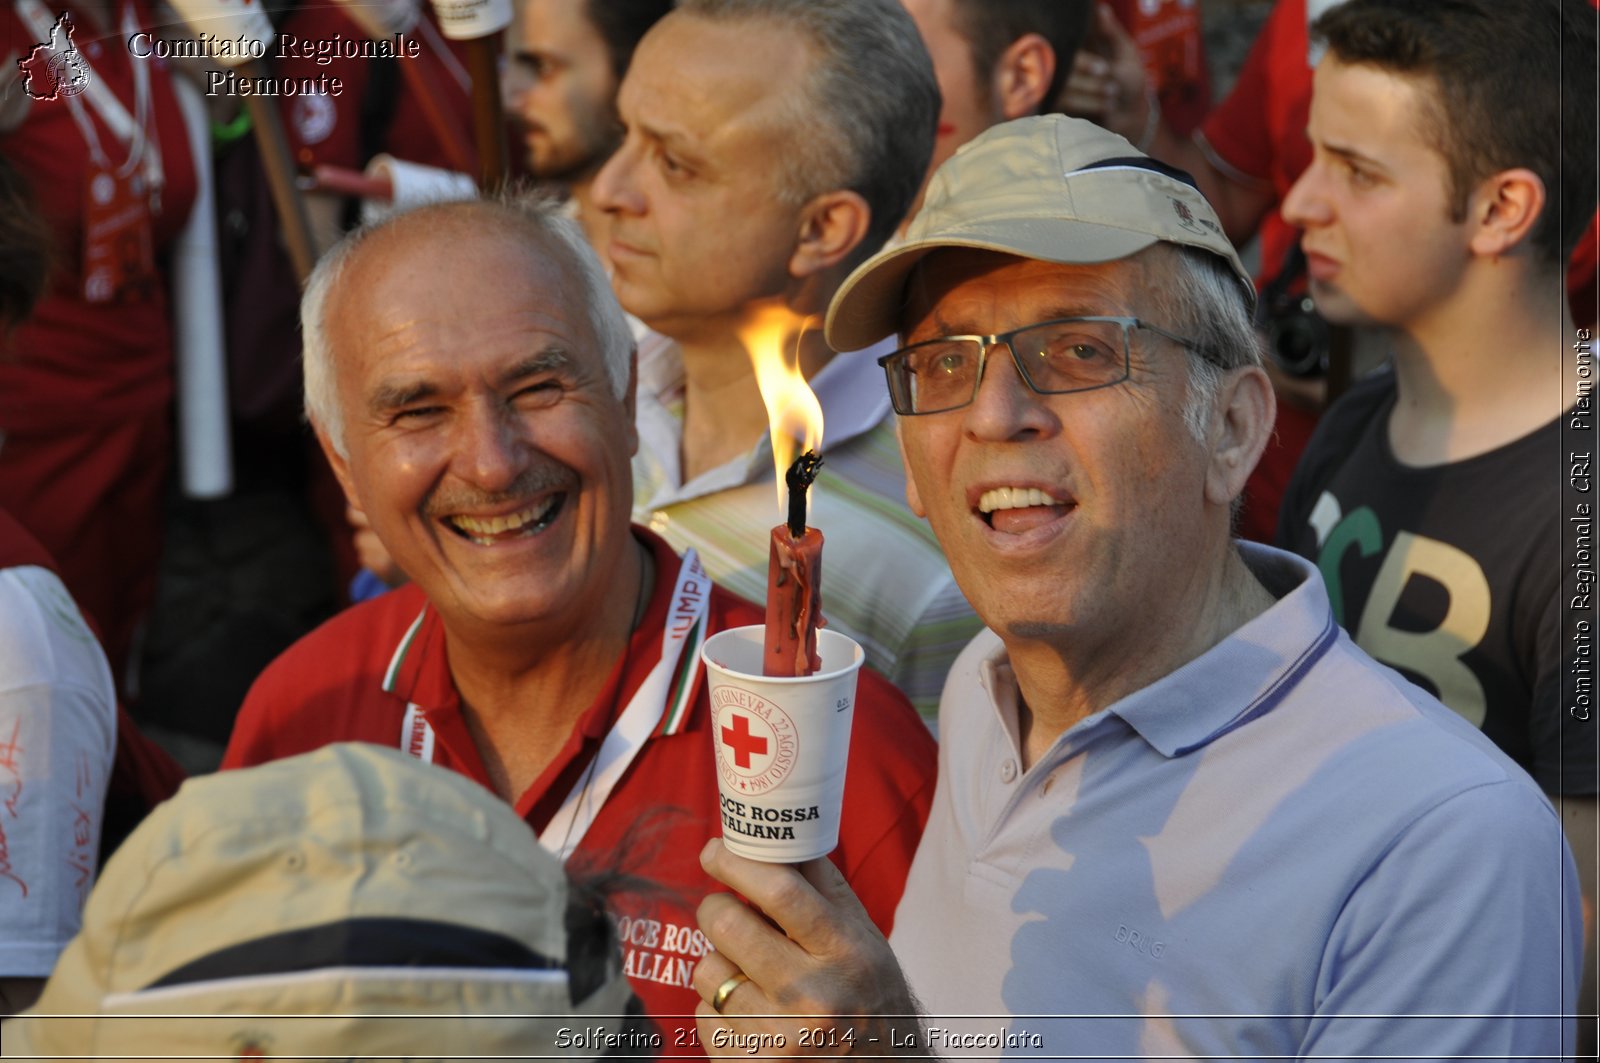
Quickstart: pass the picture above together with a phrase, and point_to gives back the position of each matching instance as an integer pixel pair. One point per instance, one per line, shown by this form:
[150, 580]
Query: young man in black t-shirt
[1453, 172]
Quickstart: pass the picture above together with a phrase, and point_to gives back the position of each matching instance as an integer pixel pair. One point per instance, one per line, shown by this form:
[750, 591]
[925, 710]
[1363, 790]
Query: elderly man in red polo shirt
[470, 376]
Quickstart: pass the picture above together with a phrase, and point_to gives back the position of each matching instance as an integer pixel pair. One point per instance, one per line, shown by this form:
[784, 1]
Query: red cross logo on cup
[739, 739]
[757, 742]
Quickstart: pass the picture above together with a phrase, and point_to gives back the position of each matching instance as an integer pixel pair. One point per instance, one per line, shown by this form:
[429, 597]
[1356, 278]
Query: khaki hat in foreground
[1049, 187]
[352, 902]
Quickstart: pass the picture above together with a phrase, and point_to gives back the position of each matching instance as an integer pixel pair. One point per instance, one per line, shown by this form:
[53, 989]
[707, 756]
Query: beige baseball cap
[352, 902]
[1048, 187]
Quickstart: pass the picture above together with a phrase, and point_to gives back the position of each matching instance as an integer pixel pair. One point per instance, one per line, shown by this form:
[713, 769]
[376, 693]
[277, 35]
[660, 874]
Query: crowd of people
[1227, 617]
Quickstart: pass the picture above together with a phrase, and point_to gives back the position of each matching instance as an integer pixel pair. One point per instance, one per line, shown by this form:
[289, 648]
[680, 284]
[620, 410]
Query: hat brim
[382, 1013]
[867, 306]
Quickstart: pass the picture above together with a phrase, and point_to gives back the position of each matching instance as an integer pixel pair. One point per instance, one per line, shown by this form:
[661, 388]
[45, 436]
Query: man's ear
[340, 465]
[913, 499]
[1022, 76]
[832, 226]
[1503, 210]
[1241, 423]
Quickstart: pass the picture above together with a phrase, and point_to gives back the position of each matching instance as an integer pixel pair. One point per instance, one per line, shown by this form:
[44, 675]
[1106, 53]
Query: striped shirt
[885, 581]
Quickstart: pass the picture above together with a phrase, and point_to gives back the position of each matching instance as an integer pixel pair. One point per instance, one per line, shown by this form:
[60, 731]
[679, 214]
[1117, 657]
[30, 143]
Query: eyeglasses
[1053, 357]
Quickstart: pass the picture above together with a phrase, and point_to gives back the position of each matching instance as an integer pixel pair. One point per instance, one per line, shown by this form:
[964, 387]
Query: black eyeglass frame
[985, 343]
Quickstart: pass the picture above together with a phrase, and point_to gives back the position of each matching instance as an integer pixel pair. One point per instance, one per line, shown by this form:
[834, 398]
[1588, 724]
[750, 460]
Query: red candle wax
[794, 603]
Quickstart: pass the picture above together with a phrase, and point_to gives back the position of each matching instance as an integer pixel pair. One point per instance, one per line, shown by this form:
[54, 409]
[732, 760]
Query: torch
[390, 184]
[204, 445]
[478, 23]
[245, 20]
[385, 19]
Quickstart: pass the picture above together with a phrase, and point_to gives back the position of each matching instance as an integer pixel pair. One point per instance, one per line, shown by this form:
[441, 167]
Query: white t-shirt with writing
[58, 720]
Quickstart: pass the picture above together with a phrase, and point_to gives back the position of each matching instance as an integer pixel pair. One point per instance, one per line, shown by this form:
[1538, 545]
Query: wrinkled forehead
[454, 285]
[961, 289]
[735, 73]
[462, 261]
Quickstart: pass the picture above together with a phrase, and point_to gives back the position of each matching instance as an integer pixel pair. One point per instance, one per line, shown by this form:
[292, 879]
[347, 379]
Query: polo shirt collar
[1246, 674]
[1234, 682]
[419, 670]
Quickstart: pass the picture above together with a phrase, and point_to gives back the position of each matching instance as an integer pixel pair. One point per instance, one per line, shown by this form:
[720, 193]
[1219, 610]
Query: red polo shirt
[352, 678]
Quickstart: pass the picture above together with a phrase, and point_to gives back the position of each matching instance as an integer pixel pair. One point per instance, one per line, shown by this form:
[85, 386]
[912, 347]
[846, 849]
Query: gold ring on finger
[719, 999]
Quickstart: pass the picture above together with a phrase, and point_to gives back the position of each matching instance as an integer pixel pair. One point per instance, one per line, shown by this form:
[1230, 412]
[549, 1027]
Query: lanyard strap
[659, 703]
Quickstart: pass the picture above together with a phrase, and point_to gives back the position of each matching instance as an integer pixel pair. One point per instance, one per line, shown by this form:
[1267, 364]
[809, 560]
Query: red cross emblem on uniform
[739, 739]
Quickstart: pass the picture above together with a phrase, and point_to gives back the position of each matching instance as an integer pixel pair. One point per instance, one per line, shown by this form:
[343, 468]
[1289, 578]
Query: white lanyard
[656, 701]
[132, 130]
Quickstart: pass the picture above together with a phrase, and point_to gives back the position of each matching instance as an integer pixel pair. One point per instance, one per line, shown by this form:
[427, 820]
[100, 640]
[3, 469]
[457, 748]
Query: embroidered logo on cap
[1185, 216]
[1187, 220]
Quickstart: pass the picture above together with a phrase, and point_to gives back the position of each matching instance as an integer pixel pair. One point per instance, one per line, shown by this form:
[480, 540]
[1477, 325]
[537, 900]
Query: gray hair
[866, 117]
[1198, 296]
[537, 216]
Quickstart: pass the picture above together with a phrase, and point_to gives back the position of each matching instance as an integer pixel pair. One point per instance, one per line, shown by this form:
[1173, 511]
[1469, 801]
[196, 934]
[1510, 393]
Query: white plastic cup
[467, 20]
[244, 21]
[782, 745]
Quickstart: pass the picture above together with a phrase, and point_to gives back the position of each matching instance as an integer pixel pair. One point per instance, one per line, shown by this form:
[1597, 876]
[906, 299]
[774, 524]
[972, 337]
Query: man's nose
[614, 189]
[514, 85]
[1005, 407]
[491, 448]
[1305, 205]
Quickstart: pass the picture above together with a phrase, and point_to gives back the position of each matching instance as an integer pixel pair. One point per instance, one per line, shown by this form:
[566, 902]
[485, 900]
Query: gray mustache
[535, 481]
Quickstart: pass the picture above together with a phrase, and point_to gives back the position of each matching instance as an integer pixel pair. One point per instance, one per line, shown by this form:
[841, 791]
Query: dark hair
[866, 117]
[593, 951]
[621, 24]
[596, 881]
[594, 959]
[24, 248]
[1512, 86]
[990, 26]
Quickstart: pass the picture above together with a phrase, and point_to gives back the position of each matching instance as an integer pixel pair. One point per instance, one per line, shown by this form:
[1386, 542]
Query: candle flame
[771, 336]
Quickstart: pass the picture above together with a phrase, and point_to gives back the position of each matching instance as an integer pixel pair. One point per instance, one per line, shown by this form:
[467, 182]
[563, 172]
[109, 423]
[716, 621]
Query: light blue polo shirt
[1281, 849]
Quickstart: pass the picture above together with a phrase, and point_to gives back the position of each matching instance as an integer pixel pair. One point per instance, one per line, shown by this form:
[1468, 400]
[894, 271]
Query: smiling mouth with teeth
[487, 531]
[1004, 498]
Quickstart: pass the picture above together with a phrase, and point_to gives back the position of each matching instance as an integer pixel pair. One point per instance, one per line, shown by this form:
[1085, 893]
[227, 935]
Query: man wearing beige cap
[348, 903]
[1179, 813]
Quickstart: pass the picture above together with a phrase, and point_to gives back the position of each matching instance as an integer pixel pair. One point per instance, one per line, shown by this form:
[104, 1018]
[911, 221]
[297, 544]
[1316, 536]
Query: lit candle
[794, 582]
